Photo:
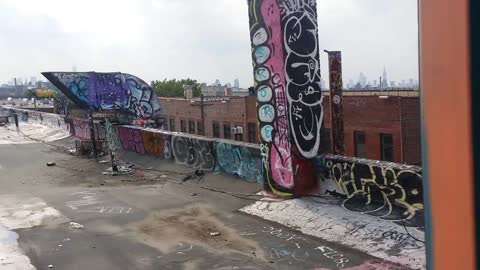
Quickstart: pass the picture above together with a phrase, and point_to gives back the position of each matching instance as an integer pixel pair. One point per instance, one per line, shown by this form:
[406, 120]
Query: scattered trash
[141, 174]
[60, 245]
[103, 161]
[75, 225]
[66, 239]
[193, 194]
[197, 175]
[122, 170]
[214, 234]
[50, 164]
[163, 176]
[50, 266]
[94, 247]
[72, 151]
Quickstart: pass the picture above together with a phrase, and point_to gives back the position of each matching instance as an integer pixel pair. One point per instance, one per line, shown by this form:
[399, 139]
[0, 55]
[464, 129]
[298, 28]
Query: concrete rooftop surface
[72, 216]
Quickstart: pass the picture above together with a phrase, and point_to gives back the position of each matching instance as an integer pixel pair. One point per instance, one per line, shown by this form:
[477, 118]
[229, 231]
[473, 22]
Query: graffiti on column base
[239, 160]
[387, 190]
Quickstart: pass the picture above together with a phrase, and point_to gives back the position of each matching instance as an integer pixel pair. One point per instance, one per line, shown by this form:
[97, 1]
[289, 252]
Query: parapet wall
[387, 190]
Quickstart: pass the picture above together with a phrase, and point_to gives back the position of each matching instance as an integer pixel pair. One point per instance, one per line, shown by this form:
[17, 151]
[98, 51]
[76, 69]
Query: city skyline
[185, 48]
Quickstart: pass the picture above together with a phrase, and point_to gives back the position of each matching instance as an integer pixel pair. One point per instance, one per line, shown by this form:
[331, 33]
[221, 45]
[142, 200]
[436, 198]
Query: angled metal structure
[108, 91]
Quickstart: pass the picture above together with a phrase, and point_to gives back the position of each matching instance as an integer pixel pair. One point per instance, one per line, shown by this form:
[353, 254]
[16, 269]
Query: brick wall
[234, 112]
[395, 115]
[411, 131]
[374, 116]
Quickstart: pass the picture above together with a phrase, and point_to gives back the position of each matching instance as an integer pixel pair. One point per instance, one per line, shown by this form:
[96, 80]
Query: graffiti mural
[131, 139]
[55, 121]
[81, 130]
[287, 82]
[239, 160]
[108, 91]
[111, 133]
[153, 143]
[167, 147]
[193, 152]
[303, 73]
[336, 102]
[386, 190]
[35, 117]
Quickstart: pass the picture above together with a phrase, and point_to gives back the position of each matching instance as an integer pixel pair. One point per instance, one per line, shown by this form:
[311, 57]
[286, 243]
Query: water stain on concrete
[194, 224]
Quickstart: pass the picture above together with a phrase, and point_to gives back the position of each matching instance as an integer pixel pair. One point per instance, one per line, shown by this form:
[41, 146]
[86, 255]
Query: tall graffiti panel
[386, 190]
[287, 82]
[239, 160]
[300, 34]
[108, 91]
[336, 102]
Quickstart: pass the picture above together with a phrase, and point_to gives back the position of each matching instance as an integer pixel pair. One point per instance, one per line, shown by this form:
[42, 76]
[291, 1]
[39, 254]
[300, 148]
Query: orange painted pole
[446, 93]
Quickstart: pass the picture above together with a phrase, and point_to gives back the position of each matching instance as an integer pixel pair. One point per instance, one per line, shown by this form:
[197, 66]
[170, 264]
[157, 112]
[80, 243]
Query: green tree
[174, 87]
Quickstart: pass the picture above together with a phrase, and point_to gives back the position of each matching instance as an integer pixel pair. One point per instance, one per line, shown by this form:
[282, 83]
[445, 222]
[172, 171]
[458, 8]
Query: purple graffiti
[131, 139]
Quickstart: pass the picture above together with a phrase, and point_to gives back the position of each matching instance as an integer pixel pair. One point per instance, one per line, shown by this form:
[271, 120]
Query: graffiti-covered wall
[201, 153]
[387, 190]
[390, 191]
[285, 53]
[108, 91]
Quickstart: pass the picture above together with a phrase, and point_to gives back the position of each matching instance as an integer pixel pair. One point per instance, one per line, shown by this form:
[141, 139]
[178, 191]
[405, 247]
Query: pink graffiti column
[286, 172]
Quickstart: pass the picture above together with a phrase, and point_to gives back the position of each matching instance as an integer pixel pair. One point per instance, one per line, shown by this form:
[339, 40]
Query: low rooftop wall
[387, 190]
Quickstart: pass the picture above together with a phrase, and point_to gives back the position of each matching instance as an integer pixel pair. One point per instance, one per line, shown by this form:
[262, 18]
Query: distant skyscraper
[218, 83]
[375, 83]
[236, 83]
[411, 83]
[228, 85]
[350, 84]
[362, 79]
[384, 84]
[392, 84]
[33, 80]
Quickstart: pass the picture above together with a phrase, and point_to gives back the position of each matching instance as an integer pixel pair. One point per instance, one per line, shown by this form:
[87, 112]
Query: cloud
[205, 40]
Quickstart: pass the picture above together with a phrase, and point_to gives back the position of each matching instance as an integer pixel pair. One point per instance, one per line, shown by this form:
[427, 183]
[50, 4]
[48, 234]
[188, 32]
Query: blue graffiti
[108, 91]
[240, 161]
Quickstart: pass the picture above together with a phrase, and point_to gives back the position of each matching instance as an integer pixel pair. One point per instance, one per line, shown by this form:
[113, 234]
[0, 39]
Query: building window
[183, 126]
[172, 124]
[200, 128]
[227, 131]
[386, 142]
[191, 127]
[216, 130]
[359, 142]
[239, 137]
[252, 132]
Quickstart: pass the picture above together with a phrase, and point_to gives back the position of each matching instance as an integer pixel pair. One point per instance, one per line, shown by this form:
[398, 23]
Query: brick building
[379, 127]
[225, 117]
[376, 127]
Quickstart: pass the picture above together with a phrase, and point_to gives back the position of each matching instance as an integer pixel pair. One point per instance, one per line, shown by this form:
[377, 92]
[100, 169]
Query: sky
[201, 39]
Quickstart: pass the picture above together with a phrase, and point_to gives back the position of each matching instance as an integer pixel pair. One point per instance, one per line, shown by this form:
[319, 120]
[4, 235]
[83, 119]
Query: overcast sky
[201, 39]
